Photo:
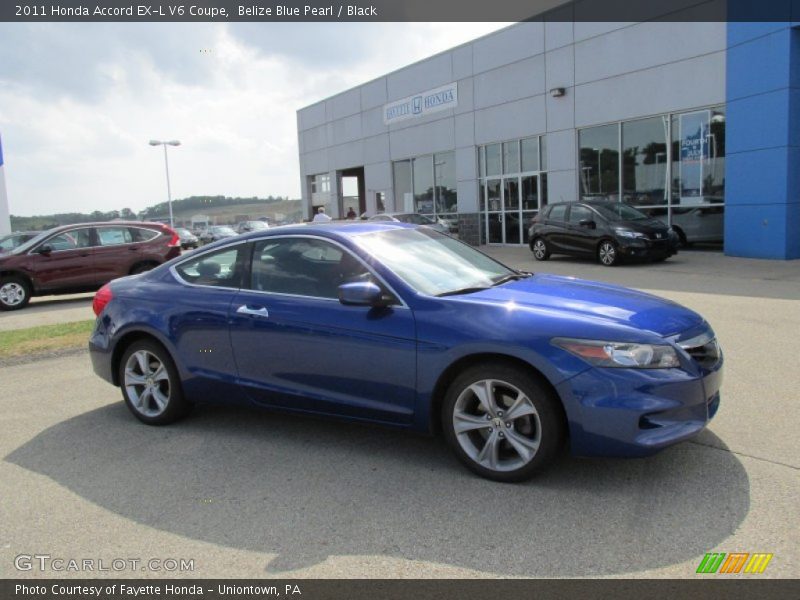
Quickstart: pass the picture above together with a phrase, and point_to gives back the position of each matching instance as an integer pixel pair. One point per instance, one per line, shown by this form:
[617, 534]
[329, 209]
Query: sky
[80, 101]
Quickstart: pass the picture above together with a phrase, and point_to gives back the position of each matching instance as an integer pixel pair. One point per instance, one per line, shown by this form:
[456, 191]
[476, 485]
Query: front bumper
[646, 248]
[637, 412]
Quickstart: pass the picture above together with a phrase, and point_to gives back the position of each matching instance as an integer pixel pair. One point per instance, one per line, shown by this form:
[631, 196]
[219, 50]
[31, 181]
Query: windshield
[433, 263]
[257, 225]
[224, 230]
[30, 243]
[414, 219]
[182, 231]
[619, 211]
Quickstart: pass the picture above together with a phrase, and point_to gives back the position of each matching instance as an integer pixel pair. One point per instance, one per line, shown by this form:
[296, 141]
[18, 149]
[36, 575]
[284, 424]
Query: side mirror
[588, 223]
[360, 293]
[44, 249]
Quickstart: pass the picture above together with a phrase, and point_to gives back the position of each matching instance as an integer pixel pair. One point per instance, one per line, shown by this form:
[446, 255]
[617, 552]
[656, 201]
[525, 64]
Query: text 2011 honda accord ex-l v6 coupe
[405, 326]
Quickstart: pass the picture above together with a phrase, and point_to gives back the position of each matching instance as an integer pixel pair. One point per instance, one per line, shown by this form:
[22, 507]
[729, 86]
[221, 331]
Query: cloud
[79, 102]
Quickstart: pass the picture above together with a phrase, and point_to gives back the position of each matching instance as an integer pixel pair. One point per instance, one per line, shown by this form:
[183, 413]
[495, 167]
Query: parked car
[698, 224]
[188, 239]
[411, 218]
[248, 226]
[405, 326]
[11, 241]
[216, 233]
[604, 230]
[81, 258]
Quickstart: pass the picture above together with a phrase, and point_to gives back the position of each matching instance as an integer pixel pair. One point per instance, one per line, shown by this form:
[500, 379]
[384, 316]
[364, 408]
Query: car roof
[103, 224]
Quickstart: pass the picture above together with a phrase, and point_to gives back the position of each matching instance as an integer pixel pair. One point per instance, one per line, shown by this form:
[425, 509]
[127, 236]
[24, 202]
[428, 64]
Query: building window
[320, 188]
[426, 185]
[599, 162]
[672, 167]
[513, 188]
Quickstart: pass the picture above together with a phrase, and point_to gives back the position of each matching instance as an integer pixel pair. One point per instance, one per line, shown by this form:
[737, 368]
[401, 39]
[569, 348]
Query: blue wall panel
[762, 167]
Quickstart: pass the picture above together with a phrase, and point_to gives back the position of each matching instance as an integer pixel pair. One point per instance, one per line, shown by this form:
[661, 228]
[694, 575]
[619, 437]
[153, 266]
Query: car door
[298, 347]
[115, 253]
[556, 228]
[198, 319]
[581, 237]
[69, 264]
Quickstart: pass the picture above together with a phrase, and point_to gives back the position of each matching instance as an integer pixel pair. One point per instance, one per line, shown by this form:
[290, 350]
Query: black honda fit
[604, 230]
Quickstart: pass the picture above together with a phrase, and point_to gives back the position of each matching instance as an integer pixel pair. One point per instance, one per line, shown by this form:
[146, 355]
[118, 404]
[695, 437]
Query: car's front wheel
[540, 249]
[150, 384]
[607, 253]
[502, 423]
[15, 293]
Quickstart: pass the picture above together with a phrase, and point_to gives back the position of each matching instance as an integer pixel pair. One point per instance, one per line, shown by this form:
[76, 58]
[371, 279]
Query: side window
[579, 213]
[71, 240]
[222, 268]
[303, 267]
[114, 236]
[557, 212]
[142, 235]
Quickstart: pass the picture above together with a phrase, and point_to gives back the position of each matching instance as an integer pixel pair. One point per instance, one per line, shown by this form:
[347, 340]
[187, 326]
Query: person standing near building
[351, 214]
[321, 217]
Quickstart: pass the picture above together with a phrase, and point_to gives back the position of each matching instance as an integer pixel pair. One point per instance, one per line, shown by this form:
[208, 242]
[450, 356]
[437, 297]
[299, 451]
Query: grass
[44, 338]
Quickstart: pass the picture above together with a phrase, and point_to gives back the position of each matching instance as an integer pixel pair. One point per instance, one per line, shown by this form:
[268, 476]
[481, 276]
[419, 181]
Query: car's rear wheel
[15, 293]
[502, 423]
[540, 249]
[150, 384]
[607, 253]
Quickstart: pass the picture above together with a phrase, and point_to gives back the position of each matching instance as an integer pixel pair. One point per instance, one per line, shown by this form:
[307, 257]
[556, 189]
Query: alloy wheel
[539, 249]
[497, 425]
[12, 294]
[147, 383]
[608, 253]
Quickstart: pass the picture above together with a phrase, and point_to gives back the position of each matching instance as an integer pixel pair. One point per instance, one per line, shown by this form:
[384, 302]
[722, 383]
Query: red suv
[81, 258]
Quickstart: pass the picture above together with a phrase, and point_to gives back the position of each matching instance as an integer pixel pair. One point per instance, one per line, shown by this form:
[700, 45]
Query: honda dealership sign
[422, 104]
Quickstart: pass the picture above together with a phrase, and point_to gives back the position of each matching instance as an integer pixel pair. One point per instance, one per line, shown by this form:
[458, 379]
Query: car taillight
[101, 298]
[176, 239]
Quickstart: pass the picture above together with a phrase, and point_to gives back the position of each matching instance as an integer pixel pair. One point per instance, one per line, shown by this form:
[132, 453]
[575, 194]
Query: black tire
[682, 241]
[143, 268]
[546, 428]
[540, 249]
[607, 253]
[149, 411]
[15, 293]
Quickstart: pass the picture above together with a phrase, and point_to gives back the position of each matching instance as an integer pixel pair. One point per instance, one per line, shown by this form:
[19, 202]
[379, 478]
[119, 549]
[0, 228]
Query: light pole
[166, 166]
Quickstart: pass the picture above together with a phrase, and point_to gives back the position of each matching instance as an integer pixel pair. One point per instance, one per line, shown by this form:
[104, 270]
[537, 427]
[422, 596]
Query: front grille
[703, 350]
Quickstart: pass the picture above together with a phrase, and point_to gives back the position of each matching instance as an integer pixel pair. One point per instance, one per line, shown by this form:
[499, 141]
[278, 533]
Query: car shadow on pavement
[306, 489]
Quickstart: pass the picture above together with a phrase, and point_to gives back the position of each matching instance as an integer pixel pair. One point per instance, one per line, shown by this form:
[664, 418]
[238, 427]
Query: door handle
[256, 311]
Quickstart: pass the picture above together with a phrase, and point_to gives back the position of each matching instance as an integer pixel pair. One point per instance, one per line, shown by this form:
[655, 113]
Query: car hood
[648, 226]
[599, 301]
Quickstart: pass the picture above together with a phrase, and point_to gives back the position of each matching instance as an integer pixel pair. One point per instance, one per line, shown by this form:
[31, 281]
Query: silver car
[413, 218]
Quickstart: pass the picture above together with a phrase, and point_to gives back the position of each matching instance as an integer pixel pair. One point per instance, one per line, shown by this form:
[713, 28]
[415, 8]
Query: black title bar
[398, 10]
[706, 587]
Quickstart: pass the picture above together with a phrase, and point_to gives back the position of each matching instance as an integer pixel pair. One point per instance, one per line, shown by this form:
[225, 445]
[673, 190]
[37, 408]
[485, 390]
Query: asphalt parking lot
[254, 494]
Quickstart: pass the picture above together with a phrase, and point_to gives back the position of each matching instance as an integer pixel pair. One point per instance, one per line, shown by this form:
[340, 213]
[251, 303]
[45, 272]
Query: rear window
[114, 236]
[143, 235]
[557, 213]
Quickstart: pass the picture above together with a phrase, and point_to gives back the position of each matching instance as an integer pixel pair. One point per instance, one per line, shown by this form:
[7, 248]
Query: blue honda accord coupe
[405, 326]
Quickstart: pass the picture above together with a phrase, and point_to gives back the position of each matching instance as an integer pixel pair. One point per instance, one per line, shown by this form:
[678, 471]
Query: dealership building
[695, 123]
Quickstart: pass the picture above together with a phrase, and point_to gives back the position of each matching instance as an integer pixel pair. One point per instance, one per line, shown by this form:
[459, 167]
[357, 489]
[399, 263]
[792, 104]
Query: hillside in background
[220, 209]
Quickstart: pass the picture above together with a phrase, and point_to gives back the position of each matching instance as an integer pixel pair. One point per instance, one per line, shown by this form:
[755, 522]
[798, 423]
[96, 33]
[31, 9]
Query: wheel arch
[125, 342]
[465, 362]
[21, 274]
[141, 263]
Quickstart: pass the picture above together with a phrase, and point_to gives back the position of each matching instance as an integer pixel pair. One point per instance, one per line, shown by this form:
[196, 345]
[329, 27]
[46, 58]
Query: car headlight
[600, 353]
[630, 234]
